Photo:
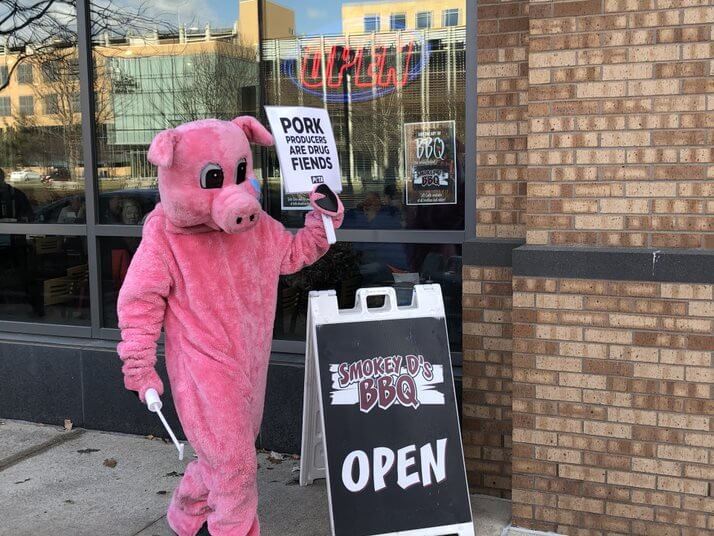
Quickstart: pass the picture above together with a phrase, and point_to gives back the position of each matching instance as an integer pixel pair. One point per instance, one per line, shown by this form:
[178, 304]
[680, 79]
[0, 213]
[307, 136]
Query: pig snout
[235, 210]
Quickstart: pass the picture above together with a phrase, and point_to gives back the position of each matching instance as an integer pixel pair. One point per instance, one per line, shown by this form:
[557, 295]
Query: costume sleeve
[301, 249]
[141, 308]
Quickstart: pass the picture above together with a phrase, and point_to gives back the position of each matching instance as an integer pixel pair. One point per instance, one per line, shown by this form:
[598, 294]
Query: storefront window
[393, 82]
[345, 268]
[390, 74]
[168, 68]
[396, 102]
[349, 266]
[44, 279]
[41, 165]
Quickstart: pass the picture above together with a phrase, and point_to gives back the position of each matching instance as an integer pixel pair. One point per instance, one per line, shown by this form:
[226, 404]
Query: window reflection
[116, 254]
[378, 67]
[155, 79]
[44, 279]
[349, 266]
[40, 119]
[345, 268]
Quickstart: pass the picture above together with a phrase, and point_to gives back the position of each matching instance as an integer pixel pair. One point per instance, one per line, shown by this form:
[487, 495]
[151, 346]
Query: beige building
[402, 15]
[279, 20]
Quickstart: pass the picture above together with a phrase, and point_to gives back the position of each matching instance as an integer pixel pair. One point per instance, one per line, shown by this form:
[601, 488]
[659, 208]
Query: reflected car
[57, 174]
[22, 175]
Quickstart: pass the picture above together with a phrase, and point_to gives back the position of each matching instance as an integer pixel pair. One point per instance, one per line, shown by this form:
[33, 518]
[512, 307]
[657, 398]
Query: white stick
[153, 402]
[329, 229]
[179, 446]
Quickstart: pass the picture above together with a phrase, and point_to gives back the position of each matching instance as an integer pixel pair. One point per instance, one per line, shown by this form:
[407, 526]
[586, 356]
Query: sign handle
[329, 229]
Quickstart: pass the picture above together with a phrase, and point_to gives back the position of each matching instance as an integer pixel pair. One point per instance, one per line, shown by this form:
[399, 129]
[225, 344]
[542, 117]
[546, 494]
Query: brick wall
[613, 429]
[487, 379]
[502, 118]
[611, 391]
[620, 110]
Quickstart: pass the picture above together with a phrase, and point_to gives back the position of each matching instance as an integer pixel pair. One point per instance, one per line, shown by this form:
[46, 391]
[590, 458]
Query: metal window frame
[93, 230]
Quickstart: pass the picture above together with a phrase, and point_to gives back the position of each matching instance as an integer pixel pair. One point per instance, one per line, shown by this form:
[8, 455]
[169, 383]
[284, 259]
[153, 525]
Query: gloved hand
[324, 201]
[143, 381]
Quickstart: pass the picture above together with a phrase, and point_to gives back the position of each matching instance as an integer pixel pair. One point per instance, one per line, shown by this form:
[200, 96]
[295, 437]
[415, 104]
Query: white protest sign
[306, 148]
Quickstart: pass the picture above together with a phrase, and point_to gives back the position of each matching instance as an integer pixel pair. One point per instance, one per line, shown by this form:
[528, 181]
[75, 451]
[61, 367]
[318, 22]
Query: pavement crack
[34, 450]
[149, 525]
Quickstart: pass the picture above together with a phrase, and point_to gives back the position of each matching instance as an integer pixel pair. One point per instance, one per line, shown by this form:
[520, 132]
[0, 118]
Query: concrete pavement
[55, 482]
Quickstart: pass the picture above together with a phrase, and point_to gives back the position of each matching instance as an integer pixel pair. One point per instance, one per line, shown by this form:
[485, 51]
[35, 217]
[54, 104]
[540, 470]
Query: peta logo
[381, 382]
[317, 179]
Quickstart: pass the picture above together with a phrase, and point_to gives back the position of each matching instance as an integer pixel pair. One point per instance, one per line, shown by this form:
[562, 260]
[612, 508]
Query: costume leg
[232, 480]
[189, 510]
[215, 406]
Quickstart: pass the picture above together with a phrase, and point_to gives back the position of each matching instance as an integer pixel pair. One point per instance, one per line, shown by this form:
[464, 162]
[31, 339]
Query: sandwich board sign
[380, 419]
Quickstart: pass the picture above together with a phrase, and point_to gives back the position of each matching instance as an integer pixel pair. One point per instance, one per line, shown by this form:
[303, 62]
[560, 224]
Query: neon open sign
[372, 71]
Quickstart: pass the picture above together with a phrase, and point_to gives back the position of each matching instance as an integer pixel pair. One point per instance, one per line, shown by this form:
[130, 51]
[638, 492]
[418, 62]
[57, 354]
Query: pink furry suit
[207, 268]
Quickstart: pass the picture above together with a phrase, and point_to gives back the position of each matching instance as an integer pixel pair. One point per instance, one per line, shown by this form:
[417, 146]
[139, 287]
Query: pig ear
[254, 130]
[161, 150]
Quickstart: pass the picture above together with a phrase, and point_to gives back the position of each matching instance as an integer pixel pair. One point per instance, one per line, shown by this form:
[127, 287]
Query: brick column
[599, 329]
[612, 330]
[501, 188]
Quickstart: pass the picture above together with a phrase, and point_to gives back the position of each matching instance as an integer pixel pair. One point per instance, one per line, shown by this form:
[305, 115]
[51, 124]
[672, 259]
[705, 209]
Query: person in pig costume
[208, 267]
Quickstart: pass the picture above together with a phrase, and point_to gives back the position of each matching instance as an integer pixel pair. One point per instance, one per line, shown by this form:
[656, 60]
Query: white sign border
[332, 141]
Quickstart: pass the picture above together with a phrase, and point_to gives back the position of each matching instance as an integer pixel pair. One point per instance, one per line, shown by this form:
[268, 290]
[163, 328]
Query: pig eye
[240, 170]
[211, 176]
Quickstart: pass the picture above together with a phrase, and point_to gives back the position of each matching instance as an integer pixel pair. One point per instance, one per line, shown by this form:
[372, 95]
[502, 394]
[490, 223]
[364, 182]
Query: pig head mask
[212, 183]
[207, 271]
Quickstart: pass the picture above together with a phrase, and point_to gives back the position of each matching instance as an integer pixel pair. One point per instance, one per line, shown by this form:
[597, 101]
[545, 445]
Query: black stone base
[50, 379]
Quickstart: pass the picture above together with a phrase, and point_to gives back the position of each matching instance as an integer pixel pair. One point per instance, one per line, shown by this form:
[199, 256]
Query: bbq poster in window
[430, 163]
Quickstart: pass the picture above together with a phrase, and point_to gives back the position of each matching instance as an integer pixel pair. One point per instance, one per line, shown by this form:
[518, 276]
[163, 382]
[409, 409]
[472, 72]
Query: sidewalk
[55, 482]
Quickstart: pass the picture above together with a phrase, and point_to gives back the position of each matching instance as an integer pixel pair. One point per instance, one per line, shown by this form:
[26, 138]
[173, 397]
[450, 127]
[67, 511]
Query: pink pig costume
[208, 267]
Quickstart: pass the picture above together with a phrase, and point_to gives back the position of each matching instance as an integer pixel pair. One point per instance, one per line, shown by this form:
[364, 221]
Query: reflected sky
[312, 16]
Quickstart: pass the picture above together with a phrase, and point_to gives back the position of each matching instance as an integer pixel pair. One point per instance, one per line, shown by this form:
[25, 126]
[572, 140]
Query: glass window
[148, 80]
[396, 101]
[451, 17]
[27, 105]
[423, 20]
[397, 21]
[24, 73]
[5, 107]
[349, 266]
[345, 268]
[41, 145]
[44, 278]
[3, 74]
[371, 23]
[115, 255]
[51, 104]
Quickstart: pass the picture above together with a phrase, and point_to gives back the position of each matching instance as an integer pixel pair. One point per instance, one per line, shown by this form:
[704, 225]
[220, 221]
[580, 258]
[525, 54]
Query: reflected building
[160, 81]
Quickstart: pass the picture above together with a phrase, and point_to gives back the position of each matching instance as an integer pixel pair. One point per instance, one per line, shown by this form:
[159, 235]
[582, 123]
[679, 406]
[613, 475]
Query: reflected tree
[40, 36]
